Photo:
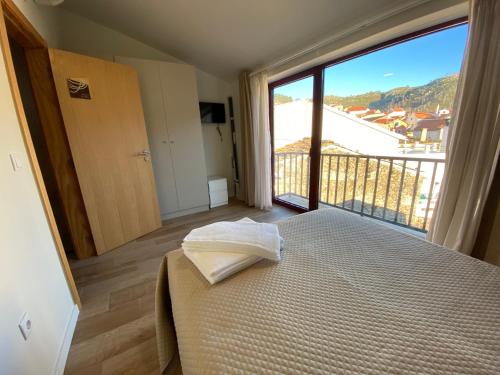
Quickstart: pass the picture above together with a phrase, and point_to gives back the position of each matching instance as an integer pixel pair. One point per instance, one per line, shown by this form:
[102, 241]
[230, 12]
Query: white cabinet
[217, 189]
[170, 100]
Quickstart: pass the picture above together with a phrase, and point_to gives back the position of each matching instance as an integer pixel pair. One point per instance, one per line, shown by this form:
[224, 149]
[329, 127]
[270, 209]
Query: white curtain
[247, 176]
[262, 140]
[473, 144]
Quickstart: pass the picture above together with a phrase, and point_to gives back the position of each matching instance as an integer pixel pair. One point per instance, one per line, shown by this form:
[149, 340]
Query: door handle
[146, 154]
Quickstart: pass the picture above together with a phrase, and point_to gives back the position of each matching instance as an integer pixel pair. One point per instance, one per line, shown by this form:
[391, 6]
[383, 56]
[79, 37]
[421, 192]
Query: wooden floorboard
[115, 333]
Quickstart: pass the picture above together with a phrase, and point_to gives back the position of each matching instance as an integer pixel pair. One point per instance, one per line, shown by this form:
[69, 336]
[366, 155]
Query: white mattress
[350, 296]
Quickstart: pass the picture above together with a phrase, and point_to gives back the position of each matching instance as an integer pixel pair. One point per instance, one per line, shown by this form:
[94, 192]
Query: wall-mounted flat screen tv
[212, 113]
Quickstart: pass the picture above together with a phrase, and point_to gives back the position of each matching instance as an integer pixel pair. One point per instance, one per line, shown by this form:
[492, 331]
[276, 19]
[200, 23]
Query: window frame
[318, 74]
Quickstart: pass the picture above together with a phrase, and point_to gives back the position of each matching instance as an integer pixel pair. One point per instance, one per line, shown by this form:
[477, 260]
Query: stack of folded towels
[221, 249]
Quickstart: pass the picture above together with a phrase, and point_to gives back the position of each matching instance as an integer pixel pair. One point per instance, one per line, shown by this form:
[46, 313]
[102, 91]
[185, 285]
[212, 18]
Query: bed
[350, 296]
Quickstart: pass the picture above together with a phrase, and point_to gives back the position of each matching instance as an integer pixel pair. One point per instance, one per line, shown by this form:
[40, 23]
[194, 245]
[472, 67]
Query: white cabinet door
[180, 95]
[171, 109]
[154, 113]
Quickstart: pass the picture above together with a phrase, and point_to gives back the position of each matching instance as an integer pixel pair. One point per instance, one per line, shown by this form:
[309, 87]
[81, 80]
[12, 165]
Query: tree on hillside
[440, 91]
[282, 99]
[361, 99]
[425, 98]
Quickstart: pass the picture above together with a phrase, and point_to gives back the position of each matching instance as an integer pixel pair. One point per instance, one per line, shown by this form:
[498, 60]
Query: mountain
[425, 98]
[347, 101]
[282, 99]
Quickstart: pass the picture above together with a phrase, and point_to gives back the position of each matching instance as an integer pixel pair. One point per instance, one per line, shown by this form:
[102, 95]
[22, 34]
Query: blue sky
[412, 63]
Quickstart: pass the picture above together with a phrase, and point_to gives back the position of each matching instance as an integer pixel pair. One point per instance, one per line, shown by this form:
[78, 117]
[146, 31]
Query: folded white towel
[244, 236]
[217, 266]
[217, 260]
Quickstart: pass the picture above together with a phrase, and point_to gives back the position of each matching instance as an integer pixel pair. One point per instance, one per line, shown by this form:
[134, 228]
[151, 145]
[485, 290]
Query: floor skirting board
[66, 344]
[189, 211]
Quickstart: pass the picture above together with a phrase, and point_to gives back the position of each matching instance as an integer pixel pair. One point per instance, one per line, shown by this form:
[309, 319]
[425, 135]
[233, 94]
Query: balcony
[398, 190]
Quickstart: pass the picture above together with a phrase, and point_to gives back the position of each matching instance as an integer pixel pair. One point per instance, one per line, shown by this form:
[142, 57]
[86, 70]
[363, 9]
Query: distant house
[384, 122]
[398, 122]
[430, 130]
[400, 127]
[357, 110]
[292, 122]
[372, 115]
[391, 123]
[403, 130]
[413, 117]
[397, 112]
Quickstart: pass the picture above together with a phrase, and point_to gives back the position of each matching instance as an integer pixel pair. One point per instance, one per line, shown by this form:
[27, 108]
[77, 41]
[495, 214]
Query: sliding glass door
[367, 133]
[292, 132]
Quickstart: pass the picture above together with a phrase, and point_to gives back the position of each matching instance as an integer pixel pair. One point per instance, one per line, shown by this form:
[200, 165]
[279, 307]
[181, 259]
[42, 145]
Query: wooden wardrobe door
[107, 135]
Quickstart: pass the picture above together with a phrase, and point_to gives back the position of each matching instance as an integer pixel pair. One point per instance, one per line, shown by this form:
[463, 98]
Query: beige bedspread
[351, 296]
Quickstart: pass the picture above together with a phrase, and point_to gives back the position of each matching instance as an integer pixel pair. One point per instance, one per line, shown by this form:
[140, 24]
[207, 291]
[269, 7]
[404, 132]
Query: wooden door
[104, 123]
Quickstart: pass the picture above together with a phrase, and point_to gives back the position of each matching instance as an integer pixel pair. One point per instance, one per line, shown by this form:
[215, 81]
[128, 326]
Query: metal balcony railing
[399, 190]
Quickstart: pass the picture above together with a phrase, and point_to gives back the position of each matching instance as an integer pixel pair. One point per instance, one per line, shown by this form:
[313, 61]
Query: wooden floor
[115, 333]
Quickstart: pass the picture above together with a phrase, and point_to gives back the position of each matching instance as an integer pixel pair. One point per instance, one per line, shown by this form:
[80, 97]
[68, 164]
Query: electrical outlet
[25, 326]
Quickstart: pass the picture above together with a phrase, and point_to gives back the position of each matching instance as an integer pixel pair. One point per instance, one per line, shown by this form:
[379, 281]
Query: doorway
[292, 133]
[41, 149]
[27, 44]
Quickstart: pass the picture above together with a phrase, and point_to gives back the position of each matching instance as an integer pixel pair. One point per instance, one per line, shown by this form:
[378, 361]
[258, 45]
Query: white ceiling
[223, 37]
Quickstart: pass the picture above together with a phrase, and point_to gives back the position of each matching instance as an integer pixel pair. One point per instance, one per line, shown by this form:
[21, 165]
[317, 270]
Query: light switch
[25, 326]
[15, 159]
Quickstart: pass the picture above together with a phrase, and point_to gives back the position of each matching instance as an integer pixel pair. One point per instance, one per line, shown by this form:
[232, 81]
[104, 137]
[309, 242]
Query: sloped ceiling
[222, 37]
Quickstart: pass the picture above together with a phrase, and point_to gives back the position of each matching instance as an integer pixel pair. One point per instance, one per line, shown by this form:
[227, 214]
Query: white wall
[45, 20]
[31, 276]
[81, 35]
[218, 153]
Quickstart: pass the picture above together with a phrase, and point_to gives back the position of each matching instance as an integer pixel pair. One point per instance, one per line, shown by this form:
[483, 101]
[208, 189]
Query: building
[357, 110]
[430, 130]
[292, 123]
[397, 112]
[391, 123]
[413, 117]
[372, 115]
